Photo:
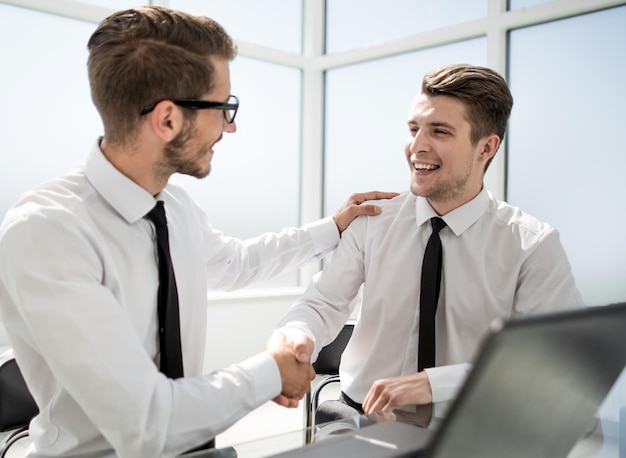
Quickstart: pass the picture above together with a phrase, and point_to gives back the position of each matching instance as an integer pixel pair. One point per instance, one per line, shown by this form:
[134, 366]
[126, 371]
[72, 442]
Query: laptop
[534, 391]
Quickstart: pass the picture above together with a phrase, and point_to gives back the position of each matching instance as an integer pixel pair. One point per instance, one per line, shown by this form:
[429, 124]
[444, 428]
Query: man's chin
[197, 173]
[419, 191]
[203, 174]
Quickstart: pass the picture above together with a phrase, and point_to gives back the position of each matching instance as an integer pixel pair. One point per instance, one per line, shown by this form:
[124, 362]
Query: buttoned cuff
[446, 381]
[264, 370]
[324, 234]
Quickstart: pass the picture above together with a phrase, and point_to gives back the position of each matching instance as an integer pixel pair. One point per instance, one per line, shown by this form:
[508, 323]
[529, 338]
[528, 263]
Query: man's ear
[166, 120]
[488, 147]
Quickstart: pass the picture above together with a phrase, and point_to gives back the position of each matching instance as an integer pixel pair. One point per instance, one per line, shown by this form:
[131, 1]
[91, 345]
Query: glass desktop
[601, 440]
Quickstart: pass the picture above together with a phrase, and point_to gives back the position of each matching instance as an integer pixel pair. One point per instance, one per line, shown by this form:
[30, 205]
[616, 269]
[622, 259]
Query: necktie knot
[437, 224]
[157, 215]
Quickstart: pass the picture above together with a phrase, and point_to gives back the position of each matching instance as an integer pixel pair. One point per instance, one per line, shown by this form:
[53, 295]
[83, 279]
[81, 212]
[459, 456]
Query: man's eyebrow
[443, 124]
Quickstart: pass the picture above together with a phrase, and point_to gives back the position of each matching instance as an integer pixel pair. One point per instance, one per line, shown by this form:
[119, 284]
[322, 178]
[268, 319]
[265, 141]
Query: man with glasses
[81, 276]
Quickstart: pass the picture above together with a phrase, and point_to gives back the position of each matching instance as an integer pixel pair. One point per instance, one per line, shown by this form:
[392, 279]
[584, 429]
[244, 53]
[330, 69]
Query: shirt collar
[126, 197]
[459, 219]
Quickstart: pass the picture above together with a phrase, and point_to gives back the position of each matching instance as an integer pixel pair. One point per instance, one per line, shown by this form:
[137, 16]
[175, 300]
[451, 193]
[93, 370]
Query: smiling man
[497, 261]
[88, 259]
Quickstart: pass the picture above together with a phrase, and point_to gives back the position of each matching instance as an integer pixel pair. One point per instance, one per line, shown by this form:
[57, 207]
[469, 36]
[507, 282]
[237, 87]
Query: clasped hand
[294, 363]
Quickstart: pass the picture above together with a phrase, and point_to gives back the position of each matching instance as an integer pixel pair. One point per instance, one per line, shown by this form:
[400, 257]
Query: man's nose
[230, 127]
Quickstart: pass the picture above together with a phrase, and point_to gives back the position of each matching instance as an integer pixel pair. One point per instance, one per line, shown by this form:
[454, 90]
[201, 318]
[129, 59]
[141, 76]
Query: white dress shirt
[78, 294]
[498, 262]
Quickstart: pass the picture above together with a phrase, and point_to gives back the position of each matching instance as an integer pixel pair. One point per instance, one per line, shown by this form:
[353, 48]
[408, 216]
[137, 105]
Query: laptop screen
[536, 385]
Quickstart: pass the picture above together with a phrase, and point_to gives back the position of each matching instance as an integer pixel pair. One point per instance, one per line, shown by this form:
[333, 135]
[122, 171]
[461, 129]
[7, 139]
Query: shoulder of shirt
[390, 208]
[509, 215]
[54, 200]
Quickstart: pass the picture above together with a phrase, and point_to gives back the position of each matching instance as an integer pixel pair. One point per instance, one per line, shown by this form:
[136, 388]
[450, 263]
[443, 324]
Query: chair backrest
[17, 406]
[330, 356]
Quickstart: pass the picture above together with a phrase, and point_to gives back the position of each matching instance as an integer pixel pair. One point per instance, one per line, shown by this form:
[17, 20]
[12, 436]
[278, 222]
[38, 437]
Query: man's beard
[178, 156]
[447, 189]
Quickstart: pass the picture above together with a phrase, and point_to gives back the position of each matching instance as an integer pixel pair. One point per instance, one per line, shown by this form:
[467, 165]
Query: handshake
[292, 354]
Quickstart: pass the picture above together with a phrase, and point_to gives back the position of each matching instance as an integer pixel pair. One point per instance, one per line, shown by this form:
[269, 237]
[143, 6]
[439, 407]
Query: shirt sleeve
[241, 262]
[325, 236]
[545, 282]
[446, 381]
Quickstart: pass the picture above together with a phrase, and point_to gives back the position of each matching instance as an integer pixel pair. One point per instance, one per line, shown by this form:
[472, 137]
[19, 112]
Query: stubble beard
[444, 190]
[179, 157]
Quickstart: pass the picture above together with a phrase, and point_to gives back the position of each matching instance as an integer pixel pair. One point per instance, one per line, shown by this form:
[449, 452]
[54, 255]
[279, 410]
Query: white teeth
[425, 166]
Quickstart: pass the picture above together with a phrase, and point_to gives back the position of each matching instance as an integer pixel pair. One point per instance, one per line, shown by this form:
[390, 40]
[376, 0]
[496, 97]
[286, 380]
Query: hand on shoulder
[353, 208]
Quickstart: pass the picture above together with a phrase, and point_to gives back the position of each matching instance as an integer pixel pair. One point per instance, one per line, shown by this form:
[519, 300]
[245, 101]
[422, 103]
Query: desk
[600, 441]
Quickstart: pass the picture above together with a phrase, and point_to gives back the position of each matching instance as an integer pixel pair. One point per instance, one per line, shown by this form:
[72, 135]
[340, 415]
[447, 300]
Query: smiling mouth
[425, 167]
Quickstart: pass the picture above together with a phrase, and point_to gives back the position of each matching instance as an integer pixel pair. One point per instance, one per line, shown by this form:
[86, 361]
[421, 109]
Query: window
[48, 121]
[253, 185]
[116, 4]
[354, 23]
[565, 141]
[273, 23]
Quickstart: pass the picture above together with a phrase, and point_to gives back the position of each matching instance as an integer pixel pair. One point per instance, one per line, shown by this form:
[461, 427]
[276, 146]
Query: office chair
[17, 406]
[327, 363]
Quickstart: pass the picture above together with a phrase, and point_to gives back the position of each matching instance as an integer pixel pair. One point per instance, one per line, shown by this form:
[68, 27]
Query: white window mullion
[311, 172]
[497, 59]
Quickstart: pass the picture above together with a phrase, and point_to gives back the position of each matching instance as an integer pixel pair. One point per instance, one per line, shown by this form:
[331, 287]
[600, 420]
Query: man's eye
[441, 132]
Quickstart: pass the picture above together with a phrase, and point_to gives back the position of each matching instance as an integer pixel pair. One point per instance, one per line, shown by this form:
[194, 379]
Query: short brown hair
[142, 55]
[484, 92]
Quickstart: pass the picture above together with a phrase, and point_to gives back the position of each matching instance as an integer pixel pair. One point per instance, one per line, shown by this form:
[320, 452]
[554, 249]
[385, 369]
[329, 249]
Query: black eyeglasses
[228, 108]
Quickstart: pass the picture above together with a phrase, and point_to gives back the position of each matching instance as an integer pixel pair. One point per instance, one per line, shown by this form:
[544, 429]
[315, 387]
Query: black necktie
[430, 285]
[169, 321]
